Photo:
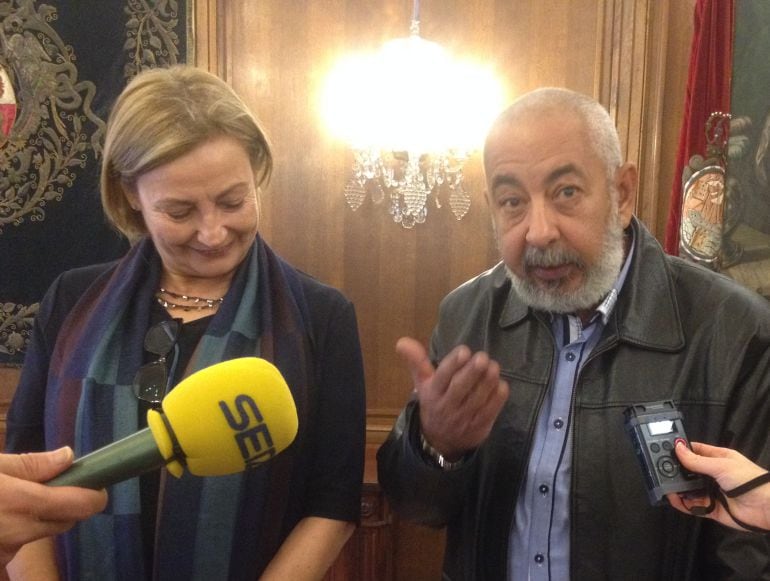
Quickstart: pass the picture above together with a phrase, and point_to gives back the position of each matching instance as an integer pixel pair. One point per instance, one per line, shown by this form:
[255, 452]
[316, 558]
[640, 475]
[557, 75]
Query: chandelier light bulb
[412, 115]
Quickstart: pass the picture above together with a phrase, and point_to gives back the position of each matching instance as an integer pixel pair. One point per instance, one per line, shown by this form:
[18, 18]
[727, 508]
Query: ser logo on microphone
[252, 434]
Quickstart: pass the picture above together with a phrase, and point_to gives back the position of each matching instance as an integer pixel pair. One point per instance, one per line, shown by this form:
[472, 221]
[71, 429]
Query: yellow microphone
[220, 420]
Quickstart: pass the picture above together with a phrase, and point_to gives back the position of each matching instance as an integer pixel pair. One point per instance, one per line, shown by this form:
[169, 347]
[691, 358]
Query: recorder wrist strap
[750, 485]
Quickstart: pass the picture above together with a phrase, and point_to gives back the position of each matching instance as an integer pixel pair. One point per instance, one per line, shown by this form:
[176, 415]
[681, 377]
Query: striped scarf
[226, 527]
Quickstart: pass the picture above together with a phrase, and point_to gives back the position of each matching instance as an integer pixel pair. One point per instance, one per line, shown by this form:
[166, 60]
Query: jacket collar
[646, 313]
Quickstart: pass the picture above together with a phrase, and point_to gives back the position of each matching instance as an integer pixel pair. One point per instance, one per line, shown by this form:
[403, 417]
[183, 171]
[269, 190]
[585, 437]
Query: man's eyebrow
[561, 171]
[505, 180]
[555, 175]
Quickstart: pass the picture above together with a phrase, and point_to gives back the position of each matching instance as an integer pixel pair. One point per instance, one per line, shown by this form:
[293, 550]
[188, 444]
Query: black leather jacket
[677, 332]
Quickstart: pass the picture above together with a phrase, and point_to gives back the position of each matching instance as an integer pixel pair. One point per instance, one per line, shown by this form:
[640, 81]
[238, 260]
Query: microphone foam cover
[227, 417]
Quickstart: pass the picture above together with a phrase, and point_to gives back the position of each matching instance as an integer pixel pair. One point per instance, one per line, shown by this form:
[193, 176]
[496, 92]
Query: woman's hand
[730, 469]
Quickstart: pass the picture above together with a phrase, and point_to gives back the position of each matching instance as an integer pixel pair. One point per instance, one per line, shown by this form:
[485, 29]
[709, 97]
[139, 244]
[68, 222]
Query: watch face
[703, 203]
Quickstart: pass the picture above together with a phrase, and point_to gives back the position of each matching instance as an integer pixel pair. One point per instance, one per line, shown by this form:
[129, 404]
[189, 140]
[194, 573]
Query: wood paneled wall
[631, 54]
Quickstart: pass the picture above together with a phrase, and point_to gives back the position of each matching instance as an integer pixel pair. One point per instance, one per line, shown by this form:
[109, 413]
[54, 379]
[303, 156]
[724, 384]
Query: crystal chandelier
[413, 116]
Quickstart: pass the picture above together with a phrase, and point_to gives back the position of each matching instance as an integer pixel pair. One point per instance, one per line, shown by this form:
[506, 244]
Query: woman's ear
[131, 196]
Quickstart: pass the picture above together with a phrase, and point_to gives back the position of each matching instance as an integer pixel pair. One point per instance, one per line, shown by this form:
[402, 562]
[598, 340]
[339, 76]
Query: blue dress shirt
[539, 546]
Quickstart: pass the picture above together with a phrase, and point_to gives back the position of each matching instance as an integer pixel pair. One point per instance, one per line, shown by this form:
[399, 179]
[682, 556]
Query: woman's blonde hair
[161, 115]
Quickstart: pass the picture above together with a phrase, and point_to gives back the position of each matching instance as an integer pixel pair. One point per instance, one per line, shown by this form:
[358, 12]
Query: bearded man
[514, 437]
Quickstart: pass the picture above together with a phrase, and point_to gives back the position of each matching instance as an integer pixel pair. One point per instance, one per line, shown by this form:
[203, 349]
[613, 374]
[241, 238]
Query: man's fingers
[477, 382]
[416, 358]
[38, 529]
[50, 503]
[424, 375]
[31, 510]
[459, 399]
[64, 504]
[472, 403]
[37, 467]
[488, 411]
[452, 373]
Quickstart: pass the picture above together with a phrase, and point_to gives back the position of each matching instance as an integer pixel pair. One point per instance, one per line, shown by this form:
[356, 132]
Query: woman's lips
[213, 252]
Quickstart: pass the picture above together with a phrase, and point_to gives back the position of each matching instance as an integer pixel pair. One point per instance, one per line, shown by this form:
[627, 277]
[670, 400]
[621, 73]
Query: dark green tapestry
[62, 63]
[748, 167]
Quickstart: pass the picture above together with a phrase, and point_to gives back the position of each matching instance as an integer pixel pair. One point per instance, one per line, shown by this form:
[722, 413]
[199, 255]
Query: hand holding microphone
[29, 510]
[220, 420]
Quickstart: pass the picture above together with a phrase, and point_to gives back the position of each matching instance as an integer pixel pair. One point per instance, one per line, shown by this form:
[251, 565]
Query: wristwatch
[435, 457]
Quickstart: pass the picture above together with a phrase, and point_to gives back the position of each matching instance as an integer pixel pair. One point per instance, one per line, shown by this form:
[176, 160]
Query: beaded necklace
[189, 302]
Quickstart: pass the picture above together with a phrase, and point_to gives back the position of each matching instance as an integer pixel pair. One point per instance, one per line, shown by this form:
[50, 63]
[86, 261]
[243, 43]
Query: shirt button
[570, 356]
[543, 488]
[539, 558]
[558, 423]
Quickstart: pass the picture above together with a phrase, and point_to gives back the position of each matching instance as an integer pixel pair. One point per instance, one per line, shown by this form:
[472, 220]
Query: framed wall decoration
[62, 63]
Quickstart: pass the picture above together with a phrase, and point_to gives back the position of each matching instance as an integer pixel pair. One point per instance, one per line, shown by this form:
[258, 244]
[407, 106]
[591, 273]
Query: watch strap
[436, 458]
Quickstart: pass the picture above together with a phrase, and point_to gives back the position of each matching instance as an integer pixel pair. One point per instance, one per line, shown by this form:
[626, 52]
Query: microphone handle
[121, 460]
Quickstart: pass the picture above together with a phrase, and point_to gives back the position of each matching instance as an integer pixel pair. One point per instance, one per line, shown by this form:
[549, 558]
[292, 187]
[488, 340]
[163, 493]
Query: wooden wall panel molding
[632, 50]
[379, 422]
[643, 56]
[650, 141]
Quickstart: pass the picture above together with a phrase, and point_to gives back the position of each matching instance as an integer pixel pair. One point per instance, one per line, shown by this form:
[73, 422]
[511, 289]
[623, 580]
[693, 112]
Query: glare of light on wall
[412, 115]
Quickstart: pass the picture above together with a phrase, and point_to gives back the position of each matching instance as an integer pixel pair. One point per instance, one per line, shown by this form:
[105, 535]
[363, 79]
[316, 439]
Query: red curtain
[708, 90]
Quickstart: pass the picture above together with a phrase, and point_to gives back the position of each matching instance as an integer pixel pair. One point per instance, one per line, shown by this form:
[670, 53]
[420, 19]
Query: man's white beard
[598, 279]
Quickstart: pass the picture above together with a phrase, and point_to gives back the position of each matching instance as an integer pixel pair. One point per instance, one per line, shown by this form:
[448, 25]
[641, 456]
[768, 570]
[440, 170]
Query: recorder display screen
[661, 427]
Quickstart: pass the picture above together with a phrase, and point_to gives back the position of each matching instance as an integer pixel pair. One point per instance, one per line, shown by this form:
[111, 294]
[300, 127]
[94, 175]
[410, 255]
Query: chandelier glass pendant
[413, 116]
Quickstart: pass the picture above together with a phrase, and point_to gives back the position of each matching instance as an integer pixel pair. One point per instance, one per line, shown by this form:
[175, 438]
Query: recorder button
[654, 448]
[667, 445]
[667, 466]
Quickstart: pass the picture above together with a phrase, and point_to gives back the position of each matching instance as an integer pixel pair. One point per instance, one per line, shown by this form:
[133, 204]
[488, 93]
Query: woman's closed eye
[178, 213]
[232, 204]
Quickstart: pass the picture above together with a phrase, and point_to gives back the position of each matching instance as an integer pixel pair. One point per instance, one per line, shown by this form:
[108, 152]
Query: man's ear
[626, 182]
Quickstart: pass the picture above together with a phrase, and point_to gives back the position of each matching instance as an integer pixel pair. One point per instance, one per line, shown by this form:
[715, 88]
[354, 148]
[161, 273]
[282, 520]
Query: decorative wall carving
[59, 74]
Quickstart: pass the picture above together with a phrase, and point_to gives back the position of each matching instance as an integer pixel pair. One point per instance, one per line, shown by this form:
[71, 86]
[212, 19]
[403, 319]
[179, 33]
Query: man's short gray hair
[599, 126]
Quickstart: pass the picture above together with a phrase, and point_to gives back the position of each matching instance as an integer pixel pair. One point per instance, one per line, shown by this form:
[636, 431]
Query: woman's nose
[212, 231]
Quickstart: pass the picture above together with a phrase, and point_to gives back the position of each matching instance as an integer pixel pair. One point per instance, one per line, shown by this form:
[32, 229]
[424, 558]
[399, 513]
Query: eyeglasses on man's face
[151, 381]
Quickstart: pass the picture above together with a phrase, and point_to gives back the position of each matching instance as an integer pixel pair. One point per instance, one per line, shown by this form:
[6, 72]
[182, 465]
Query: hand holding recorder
[745, 485]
